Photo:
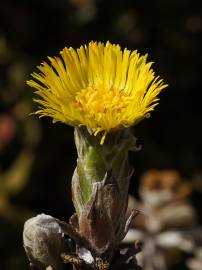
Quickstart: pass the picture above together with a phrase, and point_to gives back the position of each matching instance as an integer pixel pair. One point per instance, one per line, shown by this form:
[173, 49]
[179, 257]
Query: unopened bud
[43, 242]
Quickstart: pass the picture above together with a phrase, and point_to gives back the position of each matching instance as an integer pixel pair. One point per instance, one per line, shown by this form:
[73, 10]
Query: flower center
[99, 102]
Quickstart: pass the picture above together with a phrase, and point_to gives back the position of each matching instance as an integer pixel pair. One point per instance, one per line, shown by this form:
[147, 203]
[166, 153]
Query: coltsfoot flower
[99, 86]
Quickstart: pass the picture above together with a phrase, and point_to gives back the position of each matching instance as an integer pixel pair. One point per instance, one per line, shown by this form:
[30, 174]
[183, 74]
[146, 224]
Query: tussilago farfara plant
[102, 91]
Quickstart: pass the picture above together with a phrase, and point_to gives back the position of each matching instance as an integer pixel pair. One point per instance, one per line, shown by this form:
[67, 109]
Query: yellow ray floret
[98, 85]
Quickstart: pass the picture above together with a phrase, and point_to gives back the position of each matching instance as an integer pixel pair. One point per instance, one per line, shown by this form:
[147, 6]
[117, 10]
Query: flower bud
[43, 242]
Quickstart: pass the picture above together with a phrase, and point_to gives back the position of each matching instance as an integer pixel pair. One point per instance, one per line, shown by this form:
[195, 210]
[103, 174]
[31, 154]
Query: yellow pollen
[97, 103]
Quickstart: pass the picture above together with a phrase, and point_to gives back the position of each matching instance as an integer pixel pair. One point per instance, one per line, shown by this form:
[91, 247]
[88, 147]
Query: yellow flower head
[98, 86]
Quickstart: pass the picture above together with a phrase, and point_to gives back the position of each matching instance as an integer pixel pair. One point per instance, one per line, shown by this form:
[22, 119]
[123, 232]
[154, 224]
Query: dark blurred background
[37, 158]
